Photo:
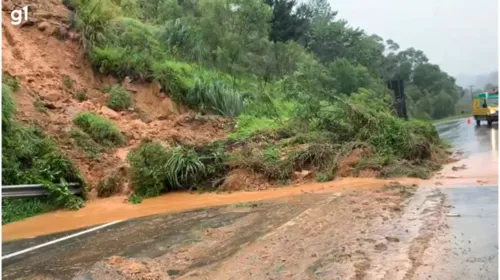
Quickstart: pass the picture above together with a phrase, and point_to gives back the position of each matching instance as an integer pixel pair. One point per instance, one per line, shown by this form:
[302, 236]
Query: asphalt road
[469, 250]
[469, 137]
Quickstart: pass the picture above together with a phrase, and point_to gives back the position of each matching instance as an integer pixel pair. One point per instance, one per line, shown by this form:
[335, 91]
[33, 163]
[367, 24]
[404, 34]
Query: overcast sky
[458, 35]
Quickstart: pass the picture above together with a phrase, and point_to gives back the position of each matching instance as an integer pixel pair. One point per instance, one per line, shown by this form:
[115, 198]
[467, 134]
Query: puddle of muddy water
[115, 208]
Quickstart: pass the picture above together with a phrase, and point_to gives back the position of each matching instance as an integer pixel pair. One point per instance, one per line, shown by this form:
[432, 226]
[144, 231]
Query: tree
[285, 24]
[232, 29]
[348, 77]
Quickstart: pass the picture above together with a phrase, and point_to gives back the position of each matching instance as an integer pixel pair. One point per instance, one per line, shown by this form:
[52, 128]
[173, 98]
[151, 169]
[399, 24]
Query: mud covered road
[444, 229]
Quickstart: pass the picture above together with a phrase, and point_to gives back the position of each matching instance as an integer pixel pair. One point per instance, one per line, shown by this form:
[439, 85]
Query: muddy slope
[52, 71]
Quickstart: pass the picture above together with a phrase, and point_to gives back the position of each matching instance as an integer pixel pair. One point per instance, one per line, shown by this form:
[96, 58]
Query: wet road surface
[467, 249]
[469, 137]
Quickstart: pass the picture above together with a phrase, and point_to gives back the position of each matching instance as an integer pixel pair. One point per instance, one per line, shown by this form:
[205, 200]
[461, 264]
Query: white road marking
[59, 240]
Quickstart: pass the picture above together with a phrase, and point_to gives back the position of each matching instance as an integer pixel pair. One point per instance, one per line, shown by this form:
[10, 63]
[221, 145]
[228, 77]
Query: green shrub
[135, 199]
[268, 163]
[129, 49]
[324, 156]
[84, 141]
[110, 60]
[92, 19]
[30, 157]
[311, 137]
[405, 169]
[369, 120]
[213, 156]
[148, 169]
[375, 162]
[271, 154]
[182, 39]
[119, 99]
[99, 129]
[176, 78]
[121, 62]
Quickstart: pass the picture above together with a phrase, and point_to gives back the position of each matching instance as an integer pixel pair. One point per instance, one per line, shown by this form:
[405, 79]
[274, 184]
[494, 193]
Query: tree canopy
[271, 41]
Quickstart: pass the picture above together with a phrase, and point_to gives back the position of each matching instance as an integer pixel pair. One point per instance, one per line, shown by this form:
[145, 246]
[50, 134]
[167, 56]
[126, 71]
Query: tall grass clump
[216, 96]
[183, 167]
[119, 99]
[99, 129]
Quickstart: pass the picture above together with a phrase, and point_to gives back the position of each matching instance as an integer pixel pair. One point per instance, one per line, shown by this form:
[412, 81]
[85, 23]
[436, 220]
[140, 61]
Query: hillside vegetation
[31, 157]
[305, 90]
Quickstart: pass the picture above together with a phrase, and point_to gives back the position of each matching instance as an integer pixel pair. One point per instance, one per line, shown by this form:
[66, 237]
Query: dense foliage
[30, 157]
[247, 43]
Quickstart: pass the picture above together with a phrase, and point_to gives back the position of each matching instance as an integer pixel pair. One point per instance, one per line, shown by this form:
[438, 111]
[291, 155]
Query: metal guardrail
[20, 191]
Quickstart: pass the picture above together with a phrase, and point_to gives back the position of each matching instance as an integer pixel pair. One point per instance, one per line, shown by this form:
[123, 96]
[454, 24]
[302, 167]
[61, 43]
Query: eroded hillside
[47, 60]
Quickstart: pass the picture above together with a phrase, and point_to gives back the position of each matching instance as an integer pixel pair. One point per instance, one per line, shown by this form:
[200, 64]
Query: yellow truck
[485, 107]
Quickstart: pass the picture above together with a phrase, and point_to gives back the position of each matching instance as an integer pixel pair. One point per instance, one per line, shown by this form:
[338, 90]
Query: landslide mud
[116, 208]
[352, 234]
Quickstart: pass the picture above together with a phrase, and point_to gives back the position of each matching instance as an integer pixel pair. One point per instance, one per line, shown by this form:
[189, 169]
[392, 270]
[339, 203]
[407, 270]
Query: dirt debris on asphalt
[353, 235]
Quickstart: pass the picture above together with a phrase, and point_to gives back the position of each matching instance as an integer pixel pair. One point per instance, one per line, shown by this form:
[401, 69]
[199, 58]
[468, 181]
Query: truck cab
[485, 107]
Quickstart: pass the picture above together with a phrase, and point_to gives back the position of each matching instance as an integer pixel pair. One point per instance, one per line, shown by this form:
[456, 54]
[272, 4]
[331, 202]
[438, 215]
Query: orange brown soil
[350, 234]
[243, 179]
[347, 164]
